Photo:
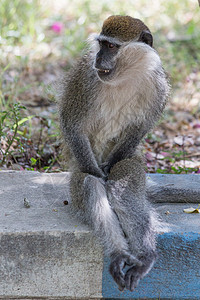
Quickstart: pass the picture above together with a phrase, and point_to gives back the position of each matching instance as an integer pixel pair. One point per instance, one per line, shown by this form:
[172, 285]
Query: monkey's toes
[117, 266]
[131, 260]
[117, 274]
[132, 278]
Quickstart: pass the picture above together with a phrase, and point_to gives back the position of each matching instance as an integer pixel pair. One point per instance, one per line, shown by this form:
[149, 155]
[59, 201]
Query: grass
[29, 46]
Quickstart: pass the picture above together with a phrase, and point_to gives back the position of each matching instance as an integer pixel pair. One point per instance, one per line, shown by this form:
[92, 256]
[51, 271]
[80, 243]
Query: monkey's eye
[110, 45]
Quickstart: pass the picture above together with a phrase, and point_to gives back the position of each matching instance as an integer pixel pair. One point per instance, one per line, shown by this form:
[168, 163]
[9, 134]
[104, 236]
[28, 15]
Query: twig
[192, 154]
[51, 164]
[183, 149]
[11, 141]
[40, 135]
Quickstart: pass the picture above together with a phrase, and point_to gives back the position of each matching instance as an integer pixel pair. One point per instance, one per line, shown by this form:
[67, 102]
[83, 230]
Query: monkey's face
[114, 57]
[117, 33]
[105, 60]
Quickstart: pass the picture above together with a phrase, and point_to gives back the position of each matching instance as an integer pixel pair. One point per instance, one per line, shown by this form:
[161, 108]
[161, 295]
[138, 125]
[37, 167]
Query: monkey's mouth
[103, 71]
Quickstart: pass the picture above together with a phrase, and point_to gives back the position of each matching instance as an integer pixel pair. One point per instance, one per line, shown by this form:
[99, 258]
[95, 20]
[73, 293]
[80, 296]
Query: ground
[38, 43]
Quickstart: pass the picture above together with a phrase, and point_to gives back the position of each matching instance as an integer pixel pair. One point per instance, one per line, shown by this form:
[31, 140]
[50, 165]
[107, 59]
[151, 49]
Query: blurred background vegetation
[40, 39]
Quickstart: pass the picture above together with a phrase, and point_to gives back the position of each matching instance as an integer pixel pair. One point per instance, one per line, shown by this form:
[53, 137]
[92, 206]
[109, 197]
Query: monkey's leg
[126, 191]
[89, 199]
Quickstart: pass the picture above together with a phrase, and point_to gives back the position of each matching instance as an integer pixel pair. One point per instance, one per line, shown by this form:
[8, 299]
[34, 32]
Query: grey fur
[103, 119]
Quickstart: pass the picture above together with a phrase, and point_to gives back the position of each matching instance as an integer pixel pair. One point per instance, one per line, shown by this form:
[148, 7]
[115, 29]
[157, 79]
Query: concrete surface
[176, 274]
[45, 254]
[173, 188]
[43, 251]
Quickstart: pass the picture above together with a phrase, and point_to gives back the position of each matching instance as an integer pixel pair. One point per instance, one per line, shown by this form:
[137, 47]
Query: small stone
[26, 203]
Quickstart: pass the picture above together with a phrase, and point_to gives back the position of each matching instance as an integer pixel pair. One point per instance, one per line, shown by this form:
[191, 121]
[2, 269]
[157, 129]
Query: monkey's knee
[76, 186]
[128, 168]
[129, 177]
[94, 188]
[90, 180]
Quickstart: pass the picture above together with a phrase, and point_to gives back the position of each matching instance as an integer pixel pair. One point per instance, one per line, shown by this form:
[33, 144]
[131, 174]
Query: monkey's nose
[99, 60]
[98, 63]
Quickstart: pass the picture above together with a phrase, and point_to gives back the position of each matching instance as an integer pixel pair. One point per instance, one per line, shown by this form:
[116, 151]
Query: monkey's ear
[146, 37]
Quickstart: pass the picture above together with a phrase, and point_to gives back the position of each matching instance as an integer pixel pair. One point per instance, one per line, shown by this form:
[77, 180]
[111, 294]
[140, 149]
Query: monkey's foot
[132, 277]
[135, 273]
[117, 268]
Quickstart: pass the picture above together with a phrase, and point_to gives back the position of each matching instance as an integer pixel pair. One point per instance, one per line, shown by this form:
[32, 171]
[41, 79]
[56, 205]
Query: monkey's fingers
[98, 173]
[105, 168]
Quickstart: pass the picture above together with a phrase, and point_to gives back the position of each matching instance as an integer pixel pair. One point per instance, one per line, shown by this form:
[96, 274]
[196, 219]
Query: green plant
[9, 123]
[18, 19]
[162, 171]
[180, 170]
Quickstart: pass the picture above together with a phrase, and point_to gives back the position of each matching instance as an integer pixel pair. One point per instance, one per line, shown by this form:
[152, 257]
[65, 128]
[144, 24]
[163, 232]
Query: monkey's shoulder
[79, 88]
[81, 78]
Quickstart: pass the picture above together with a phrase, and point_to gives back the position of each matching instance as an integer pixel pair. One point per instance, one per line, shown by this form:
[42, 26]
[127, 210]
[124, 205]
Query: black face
[105, 58]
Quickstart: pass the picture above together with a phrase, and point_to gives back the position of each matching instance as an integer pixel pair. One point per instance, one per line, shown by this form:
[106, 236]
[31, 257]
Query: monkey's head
[118, 32]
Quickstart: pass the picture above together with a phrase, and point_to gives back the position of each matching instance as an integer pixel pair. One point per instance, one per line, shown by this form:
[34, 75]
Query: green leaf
[33, 161]
[6, 67]
[23, 120]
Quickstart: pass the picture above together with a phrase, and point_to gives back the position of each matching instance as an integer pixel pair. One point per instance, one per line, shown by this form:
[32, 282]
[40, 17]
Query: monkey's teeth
[103, 71]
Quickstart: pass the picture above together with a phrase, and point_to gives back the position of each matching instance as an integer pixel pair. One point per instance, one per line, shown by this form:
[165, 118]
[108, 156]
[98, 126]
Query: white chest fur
[126, 102]
[122, 105]
[117, 108]
[116, 111]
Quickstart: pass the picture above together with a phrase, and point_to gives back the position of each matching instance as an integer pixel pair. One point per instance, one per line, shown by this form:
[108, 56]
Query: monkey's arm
[80, 147]
[126, 147]
[74, 108]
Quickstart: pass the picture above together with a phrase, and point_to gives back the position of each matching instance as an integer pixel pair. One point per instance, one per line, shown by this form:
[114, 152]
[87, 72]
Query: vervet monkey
[109, 100]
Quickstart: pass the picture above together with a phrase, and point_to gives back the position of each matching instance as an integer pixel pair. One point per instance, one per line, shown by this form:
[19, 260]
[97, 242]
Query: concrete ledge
[43, 251]
[45, 254]
[174, 188]
[176, 274]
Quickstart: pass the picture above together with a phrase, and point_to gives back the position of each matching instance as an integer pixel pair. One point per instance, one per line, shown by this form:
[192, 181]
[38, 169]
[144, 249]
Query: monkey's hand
[97, 172]
[81, 148]
[106, 168]
[117, 266]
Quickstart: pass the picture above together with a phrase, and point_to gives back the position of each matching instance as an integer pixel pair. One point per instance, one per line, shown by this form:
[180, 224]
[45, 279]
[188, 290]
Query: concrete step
[46, 254]
[176, 274]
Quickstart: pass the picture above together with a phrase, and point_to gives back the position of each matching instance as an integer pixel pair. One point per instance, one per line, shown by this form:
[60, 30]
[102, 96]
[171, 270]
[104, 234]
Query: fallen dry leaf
[192, 210]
